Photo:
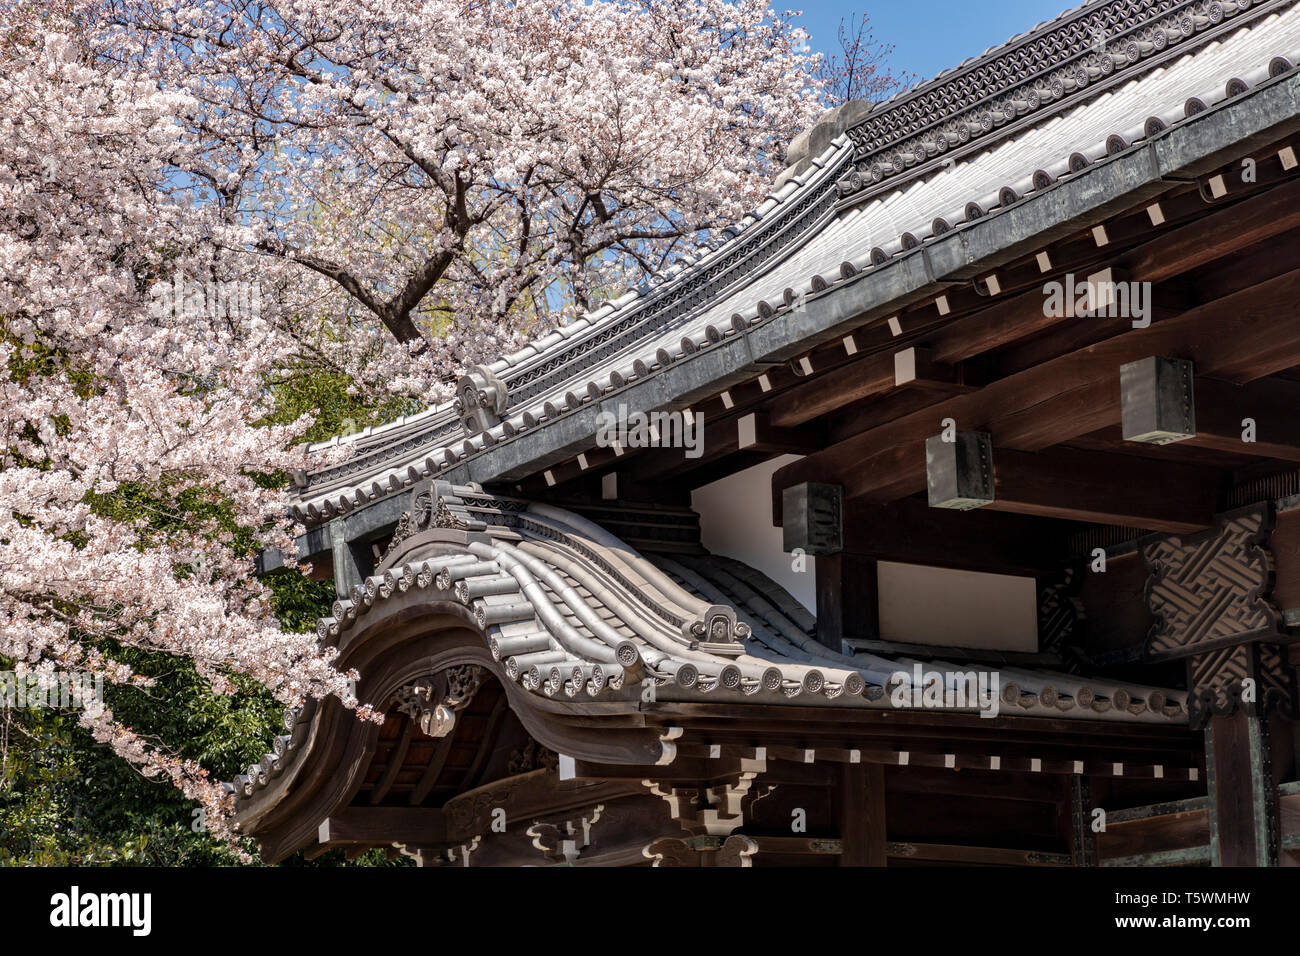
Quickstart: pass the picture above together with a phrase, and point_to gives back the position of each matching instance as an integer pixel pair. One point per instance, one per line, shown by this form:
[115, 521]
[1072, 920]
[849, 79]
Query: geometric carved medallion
[433, 505]
[1212, 589]
[1210, 596]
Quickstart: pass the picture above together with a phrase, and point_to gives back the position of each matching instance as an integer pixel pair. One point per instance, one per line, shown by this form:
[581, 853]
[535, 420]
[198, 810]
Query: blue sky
[928, 35]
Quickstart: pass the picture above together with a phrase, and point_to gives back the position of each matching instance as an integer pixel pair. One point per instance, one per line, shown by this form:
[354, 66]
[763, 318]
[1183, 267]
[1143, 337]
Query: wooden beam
[1157, 833]
[1240, 338]
[382, 826]
[526, 796]
[912, 532]
[486, 742]
[1065, 483]
[1219, 234]
[1270, 404]
[1006, 322]
[872, 375]
[1243, 792]
[755, 431]
[981, 855]
[1164, 402]
[750, 433]
[913, 367]
[430, 776]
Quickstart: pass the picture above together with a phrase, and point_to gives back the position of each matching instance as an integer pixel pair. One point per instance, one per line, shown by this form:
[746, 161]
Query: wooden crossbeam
[752, 432]
[441, 751]
[955, 758]
[381, 826]
[1163, 402]
[981, 855]
[394, 765]
[1179, 829]
[1240, 338]
[928, 852]
[914, 367]
[911, 532]
[1176, 252]
[1066, 483]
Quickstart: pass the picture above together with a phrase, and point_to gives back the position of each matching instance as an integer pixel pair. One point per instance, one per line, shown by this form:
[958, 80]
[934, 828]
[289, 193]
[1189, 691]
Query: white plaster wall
[736, 521]
[924, 605]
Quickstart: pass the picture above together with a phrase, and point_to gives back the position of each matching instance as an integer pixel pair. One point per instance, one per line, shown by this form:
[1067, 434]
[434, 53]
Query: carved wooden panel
[1253, 677]
[1061, 618]
[1212, 589]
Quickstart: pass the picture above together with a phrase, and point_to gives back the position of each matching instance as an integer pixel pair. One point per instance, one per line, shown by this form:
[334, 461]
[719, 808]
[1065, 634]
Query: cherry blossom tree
[197, 199]
[450, 174]
[107, 397]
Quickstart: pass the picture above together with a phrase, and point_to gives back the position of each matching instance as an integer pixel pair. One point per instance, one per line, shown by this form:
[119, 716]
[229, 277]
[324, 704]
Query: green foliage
[66, 800]
[339, 405]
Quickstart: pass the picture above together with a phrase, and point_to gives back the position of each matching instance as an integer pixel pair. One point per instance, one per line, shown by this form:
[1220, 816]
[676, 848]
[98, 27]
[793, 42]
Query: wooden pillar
[1083, 841]
[812, 519]
[1244, 826]
[847, 601]
[862, 815]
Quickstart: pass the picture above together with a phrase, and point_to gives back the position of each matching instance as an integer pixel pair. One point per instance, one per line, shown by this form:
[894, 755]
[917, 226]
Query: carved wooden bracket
[1212, 589]
[563, 841]
[1255, 678]
[433, 704]
[1061, 617]
[433, 505]
[712, 811]
[702, 851]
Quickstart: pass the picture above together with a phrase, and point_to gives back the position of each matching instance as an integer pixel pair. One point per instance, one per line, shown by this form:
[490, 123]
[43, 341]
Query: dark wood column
[1083, 841]
[846, 599]
[862, 815]
[1245, 829]
[812, 521]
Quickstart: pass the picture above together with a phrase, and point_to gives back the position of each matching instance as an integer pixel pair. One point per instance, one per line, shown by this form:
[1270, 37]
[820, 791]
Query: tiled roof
[835, 223]
[571, 612]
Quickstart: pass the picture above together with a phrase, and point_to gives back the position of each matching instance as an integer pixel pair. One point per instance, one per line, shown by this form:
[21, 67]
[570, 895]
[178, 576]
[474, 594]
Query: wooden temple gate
[573, 675]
